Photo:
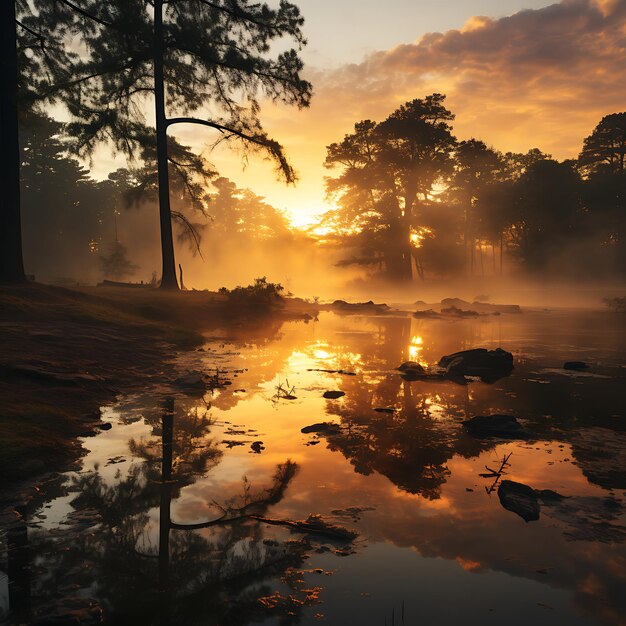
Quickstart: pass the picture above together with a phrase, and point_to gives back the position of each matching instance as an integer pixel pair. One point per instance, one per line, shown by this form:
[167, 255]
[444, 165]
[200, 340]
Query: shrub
[259, 293]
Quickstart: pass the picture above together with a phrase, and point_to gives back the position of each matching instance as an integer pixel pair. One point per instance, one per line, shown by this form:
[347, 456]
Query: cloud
[540, 78]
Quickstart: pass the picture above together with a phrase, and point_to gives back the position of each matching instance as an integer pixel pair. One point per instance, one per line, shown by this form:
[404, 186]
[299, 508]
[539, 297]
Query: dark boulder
[333, 395]
[412, 371]
[489, 365]
[576, 366]
[322, 428]
[504, 426]
[520, 499]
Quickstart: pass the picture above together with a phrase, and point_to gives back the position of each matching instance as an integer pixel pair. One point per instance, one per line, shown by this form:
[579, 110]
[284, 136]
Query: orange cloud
[540, 78]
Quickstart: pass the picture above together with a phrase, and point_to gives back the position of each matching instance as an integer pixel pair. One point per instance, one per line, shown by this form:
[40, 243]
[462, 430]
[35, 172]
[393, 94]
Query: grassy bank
[67, 352]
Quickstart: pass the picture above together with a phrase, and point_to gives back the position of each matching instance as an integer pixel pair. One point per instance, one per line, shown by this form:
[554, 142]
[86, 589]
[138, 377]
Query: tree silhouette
[388, 170]
[196, 57]
[477, 168]
[547, 211]
[601, 162]
[604, 150]
[116, 264]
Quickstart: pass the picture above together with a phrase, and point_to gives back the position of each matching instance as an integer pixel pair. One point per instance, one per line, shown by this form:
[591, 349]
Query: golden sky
[540, 77]
[533, 74]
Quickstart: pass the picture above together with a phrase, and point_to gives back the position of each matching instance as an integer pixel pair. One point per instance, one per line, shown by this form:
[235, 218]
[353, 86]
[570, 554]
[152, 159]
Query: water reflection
[159, 526]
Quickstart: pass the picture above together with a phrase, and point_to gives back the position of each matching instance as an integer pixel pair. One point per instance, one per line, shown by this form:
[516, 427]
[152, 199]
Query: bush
[260, 293]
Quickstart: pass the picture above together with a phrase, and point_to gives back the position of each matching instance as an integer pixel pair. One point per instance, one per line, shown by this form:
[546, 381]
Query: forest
[412, 203]
[312, 322]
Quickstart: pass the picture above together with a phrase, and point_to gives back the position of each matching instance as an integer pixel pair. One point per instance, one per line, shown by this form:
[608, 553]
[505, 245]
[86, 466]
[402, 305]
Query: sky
[518, 74]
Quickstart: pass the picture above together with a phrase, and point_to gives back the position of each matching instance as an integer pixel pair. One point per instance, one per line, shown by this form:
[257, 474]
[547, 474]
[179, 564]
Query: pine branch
[241, 15]
[86, 14]
[38, 36]
[272, 146]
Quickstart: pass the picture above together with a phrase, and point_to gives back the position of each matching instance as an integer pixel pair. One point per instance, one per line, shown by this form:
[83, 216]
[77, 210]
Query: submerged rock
[411, 365]
[341, 306]
[576, 366]
[191, 383]
[519, 498]
[489, 365]
[505, 426]
[428, 314]
[480, 307]
[410, 370]
[323, 428]
[333, 395]
[582, 518]
[454, 311]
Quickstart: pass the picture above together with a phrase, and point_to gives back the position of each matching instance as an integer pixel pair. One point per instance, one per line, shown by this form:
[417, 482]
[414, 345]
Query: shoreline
[68, 352]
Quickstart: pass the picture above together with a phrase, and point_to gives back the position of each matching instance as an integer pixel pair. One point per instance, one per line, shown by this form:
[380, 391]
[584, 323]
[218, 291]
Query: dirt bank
[67, 352]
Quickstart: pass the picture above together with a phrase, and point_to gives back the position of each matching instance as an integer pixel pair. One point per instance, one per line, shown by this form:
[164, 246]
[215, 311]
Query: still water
[182, 512]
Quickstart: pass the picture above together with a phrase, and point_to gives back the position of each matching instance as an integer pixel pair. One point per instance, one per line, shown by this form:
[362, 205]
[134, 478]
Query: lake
[194, 506]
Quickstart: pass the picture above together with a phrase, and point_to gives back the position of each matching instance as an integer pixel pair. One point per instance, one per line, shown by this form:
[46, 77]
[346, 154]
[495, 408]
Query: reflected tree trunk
[19, 568]
[164, 509]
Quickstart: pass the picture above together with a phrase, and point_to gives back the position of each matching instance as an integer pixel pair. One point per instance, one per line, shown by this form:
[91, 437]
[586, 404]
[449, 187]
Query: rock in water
[520, 499]
[490, 365]
[576, 366]
[333, 395]
[412, 371]
[323, 428]
[411, 365]
[191, 384]
[257, 447]
[505, 426]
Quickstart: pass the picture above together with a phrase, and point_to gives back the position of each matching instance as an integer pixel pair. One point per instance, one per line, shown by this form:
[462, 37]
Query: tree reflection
[120, 555]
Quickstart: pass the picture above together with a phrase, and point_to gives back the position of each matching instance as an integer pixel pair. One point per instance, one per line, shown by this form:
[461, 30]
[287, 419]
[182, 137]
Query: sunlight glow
[419, 234]
[321, 354]
[415, 350]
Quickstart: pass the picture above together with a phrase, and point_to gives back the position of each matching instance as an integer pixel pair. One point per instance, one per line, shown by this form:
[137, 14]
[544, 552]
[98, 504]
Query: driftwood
[314, 524]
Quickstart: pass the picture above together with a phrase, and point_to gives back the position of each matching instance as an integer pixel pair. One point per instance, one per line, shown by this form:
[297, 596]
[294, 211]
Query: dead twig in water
[497, 474]
[284, 393]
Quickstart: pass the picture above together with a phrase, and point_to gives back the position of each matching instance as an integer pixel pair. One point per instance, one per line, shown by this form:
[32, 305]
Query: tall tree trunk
[501, 250]
[493, 256]
[11, 261]
[482, 266]
[466, 240]
[168, 277]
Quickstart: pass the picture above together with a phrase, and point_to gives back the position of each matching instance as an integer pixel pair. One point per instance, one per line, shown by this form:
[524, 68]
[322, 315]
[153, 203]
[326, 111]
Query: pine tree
[205, 62]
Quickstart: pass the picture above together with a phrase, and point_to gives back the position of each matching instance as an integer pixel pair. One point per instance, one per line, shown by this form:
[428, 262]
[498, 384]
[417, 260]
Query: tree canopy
[406, 189]
[206, 62]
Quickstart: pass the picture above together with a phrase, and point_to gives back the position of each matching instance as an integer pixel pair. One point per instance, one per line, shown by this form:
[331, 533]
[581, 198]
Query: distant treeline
[77, 229]
[412, 200]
